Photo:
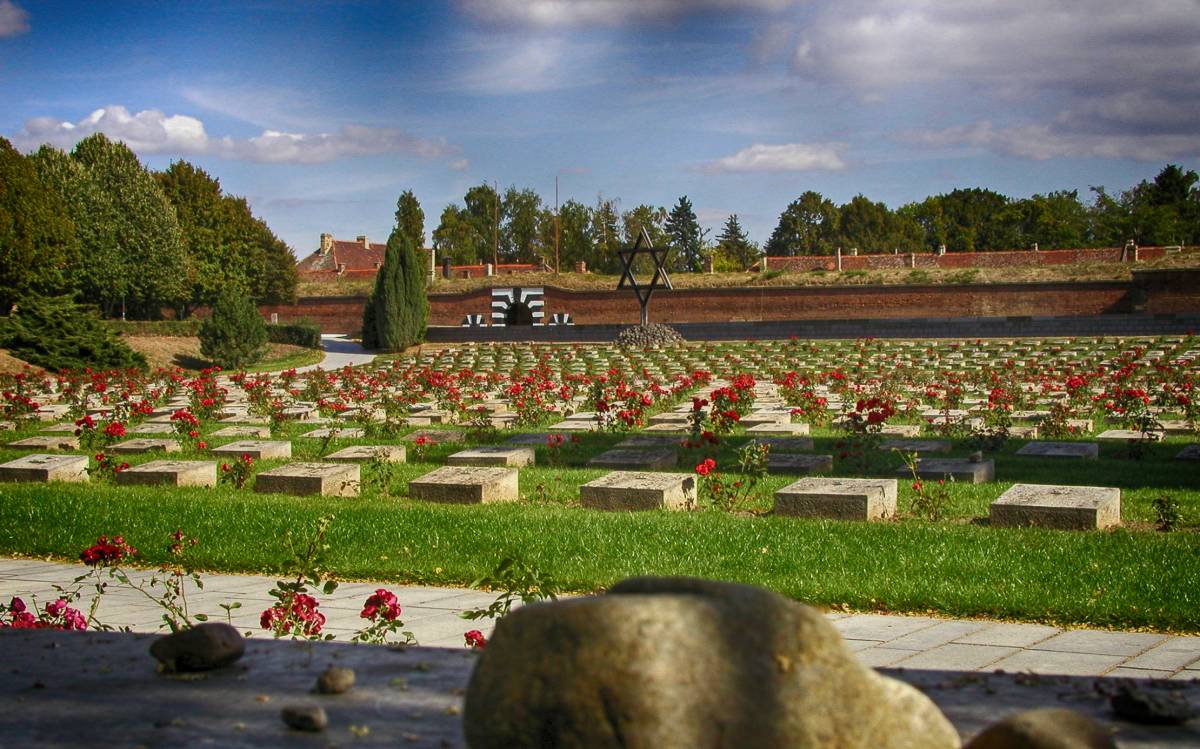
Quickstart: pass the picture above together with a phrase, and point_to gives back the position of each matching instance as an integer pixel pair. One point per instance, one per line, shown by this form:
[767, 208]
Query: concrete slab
[798, 463]
[838, 499]
[43, 468]
[257, 449]
[1059, 507]
[1079, 450]
[304, 479]
[915, 446]
[367, 453]
[1102, 643]
[435, 436]
[493, 456]
[785, 444]
[466, 485]
[958, 469]
[170, 473]
[145, 445]
[337, 433]
[634, 459]
[46, 442]
[634, 490]
[243, 431]
[955, 657]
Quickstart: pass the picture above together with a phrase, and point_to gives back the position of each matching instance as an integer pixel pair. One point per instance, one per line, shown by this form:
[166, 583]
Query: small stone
[203, 647]
[309, 718]
[1046, 728]
[335, 680]
[1141, 705]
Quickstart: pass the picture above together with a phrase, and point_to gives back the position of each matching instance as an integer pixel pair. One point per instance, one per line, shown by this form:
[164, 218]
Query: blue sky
[321, 113]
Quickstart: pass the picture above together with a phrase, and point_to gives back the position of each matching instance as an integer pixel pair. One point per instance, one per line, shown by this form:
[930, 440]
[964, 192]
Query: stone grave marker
[915, 446]
[635, 490]
[64, 428]
[436, 436]
[170, 473]
[466, 485]
[326, 479]
[785, 444]
[338, 433]
[145, 445]
[838, 499]
[44, 442]
[669, 427]
[257, 449]
[151, 429]
[367, 453]
[493, 456]
[798, 463]
[762, 418]
[780, 428]
[958, 469]
[43, 468]
[635, 459]
[635, 441]
[901, 430]
[246, 419]
[1079, 450]
[536, 439]
[1129, 435]
[1059, 507]
[243, 431]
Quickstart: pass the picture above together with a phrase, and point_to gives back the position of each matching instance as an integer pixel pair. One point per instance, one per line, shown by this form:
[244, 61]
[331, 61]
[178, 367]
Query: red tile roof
[346, 257]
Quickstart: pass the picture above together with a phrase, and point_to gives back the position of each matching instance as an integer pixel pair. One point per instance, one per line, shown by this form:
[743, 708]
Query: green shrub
[967, 275]
[235, 335]
[56, 334]
[918, 275]
[305, 333]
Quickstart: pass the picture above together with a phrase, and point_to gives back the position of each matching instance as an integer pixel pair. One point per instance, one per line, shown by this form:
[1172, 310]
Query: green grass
[1133, 578]
[298, 359]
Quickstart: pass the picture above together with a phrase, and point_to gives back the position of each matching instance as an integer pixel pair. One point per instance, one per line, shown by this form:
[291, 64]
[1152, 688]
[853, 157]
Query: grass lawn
[1135, 577]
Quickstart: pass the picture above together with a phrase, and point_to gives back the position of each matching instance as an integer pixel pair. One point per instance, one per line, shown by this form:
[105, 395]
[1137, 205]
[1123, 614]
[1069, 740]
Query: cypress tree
[397, 310]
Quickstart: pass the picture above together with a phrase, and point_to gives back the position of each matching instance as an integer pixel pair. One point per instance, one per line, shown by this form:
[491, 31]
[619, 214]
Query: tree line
[96, 225]
[517, 226]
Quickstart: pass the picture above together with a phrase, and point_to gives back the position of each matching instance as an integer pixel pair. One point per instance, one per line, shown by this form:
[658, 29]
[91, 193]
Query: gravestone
[435, 436]
[64, 428]
[635, 490]
[797, 463]
[838, 499]
[38, 467]
[635, 441]
[493, 456]
[669, 427]
[170, 473]
[54, 443]
[1130, 435]
[634, 459]
[956, 469]
[145, 445]
[781, 428]
[763, 418]
[915, 446]
[1059, 507]
[901, 430]
[367, 453]
[342, 433]
[257, 449]
[326, 479]
[574, 425]
[785, 444]
[466, 485]
[243, 431]
[1079, 450]
[538, 439]
[151, 429]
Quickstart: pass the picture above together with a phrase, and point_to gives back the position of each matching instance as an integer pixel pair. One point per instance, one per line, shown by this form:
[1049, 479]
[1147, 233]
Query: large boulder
[680, 662]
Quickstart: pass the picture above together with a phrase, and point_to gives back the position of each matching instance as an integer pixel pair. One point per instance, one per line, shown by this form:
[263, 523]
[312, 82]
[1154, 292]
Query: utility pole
[557, 225]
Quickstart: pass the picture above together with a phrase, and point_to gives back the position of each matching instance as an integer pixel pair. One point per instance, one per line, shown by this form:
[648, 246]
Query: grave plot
[915, 446]
[54, 443]
[304, 479]
[45, 468]
[342, 433]
[962, 470]
[170, 473]
[1058, 507]
[635, 490]
[636, 459]
[493, 456]
[1079, 450]
[838, 499]
[145, 445]
[466, 485]
[257, 449]
[436, 436]
[367, 453]
[798, 463]
[243, 431]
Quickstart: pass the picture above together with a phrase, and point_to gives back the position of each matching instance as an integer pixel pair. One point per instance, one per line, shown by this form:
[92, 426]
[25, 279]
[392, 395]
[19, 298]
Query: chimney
[326, 243]
[362, 238]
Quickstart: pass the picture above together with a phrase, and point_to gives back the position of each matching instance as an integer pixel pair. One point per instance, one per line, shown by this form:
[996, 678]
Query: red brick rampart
[952, 260]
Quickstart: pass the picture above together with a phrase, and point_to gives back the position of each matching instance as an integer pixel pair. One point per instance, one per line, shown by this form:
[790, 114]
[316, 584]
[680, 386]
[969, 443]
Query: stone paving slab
[1102, 643]
[956, 657]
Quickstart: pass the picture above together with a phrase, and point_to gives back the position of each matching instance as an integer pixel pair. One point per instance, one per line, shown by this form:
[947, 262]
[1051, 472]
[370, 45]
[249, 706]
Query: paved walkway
[881, 641]
[340, 351]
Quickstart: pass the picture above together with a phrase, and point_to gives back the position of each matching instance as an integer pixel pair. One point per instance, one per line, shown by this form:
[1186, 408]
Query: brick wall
[1155, 292]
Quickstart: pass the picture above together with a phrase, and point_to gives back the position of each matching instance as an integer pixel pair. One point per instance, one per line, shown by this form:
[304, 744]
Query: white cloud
[1040, 142]
[784, 157]
[533, 66]
[1105, 78]
[564, 13]
[151, 131]
[13, 19]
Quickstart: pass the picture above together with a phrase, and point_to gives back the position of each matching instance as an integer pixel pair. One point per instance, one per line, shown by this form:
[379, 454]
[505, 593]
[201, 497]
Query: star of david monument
[660, 279]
